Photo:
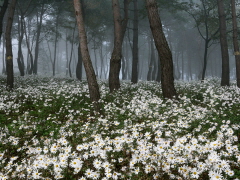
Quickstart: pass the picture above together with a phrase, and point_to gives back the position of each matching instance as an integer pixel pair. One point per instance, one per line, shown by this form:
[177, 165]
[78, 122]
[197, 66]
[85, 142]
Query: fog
[58, 41]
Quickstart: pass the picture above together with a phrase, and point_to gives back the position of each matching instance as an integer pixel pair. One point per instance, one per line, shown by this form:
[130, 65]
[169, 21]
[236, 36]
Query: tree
[39, 27]
[167, 80]
[91, 77]
[21, 16]
[2, 13]
[224, 45]
[235, 41]
[9, 53]
[119, 31]
[204, 15]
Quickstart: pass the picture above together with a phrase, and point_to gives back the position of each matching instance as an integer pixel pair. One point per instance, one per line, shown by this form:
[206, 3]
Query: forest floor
[48, 132]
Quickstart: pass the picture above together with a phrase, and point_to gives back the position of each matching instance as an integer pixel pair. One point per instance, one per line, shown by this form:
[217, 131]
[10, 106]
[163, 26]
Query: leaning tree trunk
[2, 13]
[224, 45]
[163, 49]
[235, 42]
[9, 54]
[91, 77]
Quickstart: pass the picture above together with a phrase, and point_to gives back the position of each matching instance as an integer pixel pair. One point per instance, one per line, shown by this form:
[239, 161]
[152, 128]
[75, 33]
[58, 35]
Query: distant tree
[167, 80]
[39, 28]
[91, 77]
[224, 45]
[9, 53]
[119, 31]
[235, 41]
[21, 29]
[205, 16]
[2, 13]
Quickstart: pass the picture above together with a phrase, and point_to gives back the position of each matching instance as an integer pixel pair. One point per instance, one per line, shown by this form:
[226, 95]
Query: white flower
[76, 163]
[89, 173]
[97, 164]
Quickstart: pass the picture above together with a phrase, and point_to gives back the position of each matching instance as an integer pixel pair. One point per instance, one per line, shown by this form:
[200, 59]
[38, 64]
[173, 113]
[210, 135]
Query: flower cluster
[141, 136]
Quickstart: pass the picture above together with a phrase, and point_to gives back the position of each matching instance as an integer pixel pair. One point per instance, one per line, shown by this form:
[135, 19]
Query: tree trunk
[224, 45]
[135, 44]
[66, 45]
[30, 55]
[20, 59]
[3, 56]
[2, 13]
[35, 63]
[235, 41]
[71, 54]
[79, 65]
[158, 78]
[119, 31]
[91, 77]
[163, 49]
[152, 59]
[55, 46]
[9, 54]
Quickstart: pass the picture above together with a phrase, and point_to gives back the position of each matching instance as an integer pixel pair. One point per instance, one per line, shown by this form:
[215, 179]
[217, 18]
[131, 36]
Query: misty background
[46, 31]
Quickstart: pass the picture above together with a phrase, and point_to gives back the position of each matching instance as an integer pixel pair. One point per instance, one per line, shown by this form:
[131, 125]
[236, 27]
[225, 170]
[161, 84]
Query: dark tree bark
[3, 56]
[135, 44]
[91, 77]
[119, 31]
[158, 78]
[9, 54]
[2, 13]
[79, 65]
[224, 45]
[20, 59]
[167, 80]
[235, 41]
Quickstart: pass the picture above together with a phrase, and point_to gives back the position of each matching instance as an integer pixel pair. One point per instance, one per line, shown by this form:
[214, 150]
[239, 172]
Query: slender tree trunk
[102, 62]
[224, 45]
[9, 54]
[35, 63]
[182, 64]
[20, 59]
[66, 45]
[135, 44]
[2, 13]
[152, 59]
[71, 54]
[55, 46]
[30, 65]
[163, 49]
[119, 31]
[91, 77]
[124, 73]
[235, 41]
[79, 65]
[3, 56]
